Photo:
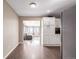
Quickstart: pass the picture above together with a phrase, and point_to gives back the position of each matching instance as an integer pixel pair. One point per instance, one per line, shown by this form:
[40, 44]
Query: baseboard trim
[51, 45]
[21, 42]
[10, 51]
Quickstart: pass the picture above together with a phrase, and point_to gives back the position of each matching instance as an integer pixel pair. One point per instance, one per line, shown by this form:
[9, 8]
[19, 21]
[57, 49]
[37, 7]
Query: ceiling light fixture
[33, 5]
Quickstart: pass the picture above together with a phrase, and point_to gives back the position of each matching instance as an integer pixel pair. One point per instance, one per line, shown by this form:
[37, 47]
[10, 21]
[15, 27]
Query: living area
[32, 31]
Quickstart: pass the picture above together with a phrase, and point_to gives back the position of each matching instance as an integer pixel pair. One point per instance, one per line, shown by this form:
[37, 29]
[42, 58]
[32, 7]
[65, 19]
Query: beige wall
[10, 29]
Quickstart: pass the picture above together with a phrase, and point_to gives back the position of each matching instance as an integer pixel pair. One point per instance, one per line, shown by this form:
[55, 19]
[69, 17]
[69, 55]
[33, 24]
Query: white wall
[49, 36]
[10, 29]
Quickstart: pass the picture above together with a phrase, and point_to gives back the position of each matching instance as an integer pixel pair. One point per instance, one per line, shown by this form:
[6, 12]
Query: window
[32, 30]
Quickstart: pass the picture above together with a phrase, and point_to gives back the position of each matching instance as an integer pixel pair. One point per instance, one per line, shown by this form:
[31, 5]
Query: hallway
[30, 50]
[39, 29]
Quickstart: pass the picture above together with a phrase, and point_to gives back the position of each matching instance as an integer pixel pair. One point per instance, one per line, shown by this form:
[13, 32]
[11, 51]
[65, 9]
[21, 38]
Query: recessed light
[48, 11]
[33, 5]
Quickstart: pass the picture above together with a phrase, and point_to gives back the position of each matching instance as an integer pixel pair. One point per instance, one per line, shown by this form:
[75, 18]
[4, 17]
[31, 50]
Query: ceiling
[31, 23]
[22, 8]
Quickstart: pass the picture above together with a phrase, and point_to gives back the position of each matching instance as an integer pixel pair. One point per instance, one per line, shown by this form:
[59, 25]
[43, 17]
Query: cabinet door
[48, 29]
[49, 36]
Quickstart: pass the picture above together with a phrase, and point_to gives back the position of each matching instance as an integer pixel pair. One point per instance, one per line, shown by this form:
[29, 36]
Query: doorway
[32, 32]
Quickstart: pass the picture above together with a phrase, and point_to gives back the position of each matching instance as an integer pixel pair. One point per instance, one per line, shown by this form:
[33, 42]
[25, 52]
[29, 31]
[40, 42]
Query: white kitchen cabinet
[49, 36]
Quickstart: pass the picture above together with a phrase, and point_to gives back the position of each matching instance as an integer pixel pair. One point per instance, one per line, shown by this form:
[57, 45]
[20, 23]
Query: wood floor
[31, 51]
